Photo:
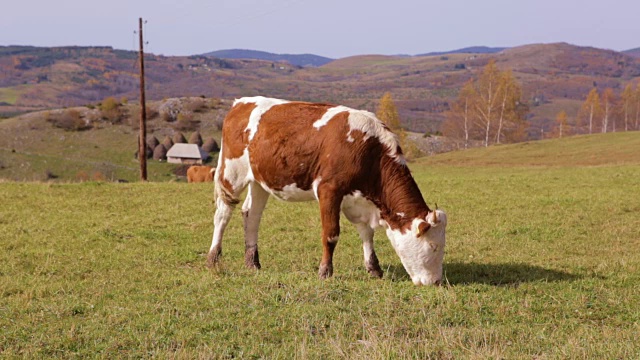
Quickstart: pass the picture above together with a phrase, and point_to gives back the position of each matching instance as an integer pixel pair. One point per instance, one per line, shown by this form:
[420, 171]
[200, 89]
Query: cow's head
[421, 250]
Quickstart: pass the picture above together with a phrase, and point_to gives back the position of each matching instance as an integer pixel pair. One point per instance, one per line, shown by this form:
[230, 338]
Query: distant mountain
[468, 50]
[633, 52]
[303, 60]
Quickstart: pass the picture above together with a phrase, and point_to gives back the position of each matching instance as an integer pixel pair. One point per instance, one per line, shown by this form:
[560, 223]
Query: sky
[331, 28]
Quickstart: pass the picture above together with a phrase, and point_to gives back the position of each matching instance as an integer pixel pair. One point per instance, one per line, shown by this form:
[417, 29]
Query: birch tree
[460, 119]
[591, 108]
[627, 103]
[607, 108]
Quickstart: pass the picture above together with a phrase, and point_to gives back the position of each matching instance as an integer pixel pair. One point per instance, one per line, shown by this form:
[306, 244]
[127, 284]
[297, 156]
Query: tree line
[603, 112]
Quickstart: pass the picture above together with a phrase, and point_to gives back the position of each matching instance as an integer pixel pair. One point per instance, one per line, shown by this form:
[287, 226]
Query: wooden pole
[142, 146]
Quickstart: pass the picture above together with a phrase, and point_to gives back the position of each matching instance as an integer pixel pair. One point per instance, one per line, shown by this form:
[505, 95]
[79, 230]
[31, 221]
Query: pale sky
[331, 28]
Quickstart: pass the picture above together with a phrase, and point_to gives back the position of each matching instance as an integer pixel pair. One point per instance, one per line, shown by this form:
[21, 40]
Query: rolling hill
[554, 77]
[298, 60]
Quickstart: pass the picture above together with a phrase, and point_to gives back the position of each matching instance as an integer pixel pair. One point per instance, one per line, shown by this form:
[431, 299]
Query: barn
[186, 154]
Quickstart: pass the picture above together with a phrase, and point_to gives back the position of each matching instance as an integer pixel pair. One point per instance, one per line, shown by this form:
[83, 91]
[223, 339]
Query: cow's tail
[222, 192]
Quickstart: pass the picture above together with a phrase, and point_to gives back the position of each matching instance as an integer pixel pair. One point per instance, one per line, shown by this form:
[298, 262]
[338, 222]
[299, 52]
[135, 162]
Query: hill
[468, 50]
[633, 52]
[575, 151]
[298, 60]
[554, 77]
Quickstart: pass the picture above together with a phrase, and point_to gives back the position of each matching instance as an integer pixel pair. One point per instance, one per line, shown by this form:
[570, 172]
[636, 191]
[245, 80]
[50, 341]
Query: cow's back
[290, 145]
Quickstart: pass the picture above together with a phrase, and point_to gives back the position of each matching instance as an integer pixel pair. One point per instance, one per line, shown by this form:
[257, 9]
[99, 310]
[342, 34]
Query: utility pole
[142, 146]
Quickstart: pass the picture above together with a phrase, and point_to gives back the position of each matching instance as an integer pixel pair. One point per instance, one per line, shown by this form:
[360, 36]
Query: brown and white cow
[346, 159]
[200, 173]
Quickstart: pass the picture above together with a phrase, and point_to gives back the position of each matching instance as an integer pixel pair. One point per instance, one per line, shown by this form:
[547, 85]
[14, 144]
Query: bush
[110, 108]
[68, 120]
[195, 105]
[169, 109]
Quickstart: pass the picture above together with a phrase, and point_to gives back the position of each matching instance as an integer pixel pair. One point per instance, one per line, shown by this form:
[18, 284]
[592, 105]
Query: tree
[607, 108]
[487, 89]
[510, 94]
[459, 119]
[489, 108]
[561, 123]
[627, 103]
[637, 106]
[388, 114]
[591, 108]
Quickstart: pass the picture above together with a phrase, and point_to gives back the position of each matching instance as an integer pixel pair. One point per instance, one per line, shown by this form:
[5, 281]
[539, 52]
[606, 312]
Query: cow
[200, 173]
[347, 160]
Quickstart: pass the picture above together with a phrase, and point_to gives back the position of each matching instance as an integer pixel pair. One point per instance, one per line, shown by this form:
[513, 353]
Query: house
[186, 154]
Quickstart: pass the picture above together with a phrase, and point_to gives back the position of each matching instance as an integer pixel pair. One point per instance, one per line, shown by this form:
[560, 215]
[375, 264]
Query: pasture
[542, 262]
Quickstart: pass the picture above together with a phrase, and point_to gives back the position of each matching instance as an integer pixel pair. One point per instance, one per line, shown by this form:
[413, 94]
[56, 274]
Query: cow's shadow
[510, 274]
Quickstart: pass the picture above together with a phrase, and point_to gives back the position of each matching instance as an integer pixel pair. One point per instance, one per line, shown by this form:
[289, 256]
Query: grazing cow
[346, 159]
[197, 174]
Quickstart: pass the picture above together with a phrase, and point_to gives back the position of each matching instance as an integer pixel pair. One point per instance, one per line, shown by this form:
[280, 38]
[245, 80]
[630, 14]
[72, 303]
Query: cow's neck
[400, 200]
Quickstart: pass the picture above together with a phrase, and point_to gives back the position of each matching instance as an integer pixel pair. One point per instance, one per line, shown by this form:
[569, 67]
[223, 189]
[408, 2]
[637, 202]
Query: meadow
[542, 262]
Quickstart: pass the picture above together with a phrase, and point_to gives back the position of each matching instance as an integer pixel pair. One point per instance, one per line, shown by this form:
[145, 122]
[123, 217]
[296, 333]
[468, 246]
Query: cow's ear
[422, 229]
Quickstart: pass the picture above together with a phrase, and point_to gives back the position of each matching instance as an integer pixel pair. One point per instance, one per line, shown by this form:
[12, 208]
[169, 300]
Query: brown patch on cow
[287, 148]
[200, 173]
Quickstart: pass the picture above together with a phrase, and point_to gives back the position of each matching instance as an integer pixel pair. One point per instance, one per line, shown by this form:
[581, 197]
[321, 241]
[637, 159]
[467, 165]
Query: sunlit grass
[542, 262]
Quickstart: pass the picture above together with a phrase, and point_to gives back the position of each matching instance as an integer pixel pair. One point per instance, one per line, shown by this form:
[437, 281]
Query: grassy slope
[30, 146]
[542, 262]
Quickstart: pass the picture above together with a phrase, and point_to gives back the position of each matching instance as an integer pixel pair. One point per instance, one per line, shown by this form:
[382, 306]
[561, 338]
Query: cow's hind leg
[220, 221]
[251, 214]
[370, 259]
[330, 216]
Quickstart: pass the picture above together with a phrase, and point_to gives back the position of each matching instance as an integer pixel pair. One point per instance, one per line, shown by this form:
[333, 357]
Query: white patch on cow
[371, 126]
[329, 115]
[291, 192]
[315, 185]
[333, 240]
[238, 171]
[422, 257]
[367, 123]
[359, 210]
[263, 105]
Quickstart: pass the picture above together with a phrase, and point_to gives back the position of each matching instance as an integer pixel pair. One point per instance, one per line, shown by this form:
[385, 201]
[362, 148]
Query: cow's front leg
[330, 215]
[251, 214]
[370, 259]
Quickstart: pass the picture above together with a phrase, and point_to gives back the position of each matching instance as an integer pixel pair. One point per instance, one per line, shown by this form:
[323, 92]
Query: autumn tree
[591, 108]
[459, 120]
[562, 124]
[627, 102]
[607, 108]
[489, 108]
[388, 114]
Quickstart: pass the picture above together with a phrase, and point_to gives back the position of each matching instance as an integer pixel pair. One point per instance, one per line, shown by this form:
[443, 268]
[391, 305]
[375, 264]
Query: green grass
[542, 262]
[9, 95]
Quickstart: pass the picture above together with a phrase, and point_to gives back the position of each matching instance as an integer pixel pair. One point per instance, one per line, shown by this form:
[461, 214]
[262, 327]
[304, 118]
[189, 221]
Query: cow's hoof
[213, 257]
[375, 272]
[251, 259]
[325, 271]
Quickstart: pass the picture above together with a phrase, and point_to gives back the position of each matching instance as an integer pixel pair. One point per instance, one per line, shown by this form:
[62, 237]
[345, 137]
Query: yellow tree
[637, 106]
[388, 113]
[459, 122]
[561, 124]
[591, 108]
[488, 90]
[509, 94]
[607, 108]
[627, 103]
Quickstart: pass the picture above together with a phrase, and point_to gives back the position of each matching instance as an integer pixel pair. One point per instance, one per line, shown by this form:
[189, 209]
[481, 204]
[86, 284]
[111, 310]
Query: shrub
[195, 105]
[169, 109]
[69, 120]
[98, 176]
[82, 175]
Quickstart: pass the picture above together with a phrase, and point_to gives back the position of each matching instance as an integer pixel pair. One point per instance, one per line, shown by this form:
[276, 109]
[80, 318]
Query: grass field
[542, 262]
